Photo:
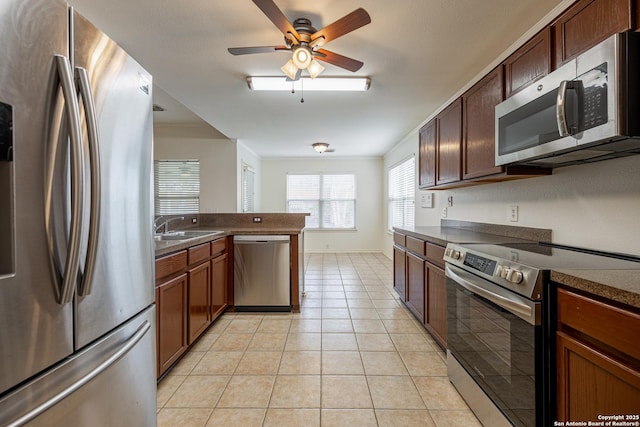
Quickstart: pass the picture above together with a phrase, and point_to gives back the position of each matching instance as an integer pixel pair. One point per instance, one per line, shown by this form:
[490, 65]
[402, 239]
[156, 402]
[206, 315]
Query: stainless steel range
[499, 326]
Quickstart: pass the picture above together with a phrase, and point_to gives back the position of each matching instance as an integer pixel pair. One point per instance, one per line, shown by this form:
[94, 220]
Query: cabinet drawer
[170, 264]
[218, 246]
[415, 245]
[399, 239]
[610, 325]
[435, 254]
[200, 252]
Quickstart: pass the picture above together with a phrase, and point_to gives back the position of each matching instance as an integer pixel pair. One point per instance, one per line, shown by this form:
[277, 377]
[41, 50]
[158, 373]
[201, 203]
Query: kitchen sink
[184, 235]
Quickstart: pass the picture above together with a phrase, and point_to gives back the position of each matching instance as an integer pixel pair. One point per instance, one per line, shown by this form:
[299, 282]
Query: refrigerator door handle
[94, 170]
[144, 328]
[70, 274]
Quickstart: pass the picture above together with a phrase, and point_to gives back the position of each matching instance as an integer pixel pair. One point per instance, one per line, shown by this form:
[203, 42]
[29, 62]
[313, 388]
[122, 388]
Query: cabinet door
[399, 272]
[427, 154]
[219, 279]
[590, 383]
[199, 297]
[436, 312]
[588, 22]
[415, 285]
[449, 162]
[479, 125]
[171, 312]
[528, 63]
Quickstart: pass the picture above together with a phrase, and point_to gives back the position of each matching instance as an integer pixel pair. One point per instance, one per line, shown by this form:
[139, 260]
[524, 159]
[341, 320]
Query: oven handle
[526, 310]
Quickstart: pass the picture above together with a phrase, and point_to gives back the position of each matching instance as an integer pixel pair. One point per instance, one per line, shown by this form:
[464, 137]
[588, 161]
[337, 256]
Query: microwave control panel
[594, 96]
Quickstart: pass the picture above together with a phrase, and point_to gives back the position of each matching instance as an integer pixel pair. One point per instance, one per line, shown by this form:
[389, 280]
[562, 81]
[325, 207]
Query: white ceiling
[418, 54]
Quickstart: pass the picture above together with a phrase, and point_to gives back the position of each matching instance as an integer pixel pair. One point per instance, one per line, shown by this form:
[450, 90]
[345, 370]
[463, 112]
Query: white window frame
[176, 186]
[248, 188]
[324, 202]
[402, 193]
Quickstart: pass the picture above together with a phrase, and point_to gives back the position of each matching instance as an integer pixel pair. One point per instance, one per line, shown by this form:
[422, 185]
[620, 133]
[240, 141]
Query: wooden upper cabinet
[528, 63]
[587, 23]
[449, 150]
[478, 146]
[427, 154]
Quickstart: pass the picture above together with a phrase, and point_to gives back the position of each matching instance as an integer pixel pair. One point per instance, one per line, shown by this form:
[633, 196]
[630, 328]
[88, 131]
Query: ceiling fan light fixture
[314, 69]
[290, 69]
[320, 147]
[302, 57]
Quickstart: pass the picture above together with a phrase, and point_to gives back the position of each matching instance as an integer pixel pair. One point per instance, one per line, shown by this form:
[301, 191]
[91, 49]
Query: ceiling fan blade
[339, 60]
[269, 8]
[356, 19]
[255, 49]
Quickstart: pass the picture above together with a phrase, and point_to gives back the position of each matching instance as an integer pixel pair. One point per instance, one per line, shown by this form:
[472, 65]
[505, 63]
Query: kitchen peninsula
[195, 272]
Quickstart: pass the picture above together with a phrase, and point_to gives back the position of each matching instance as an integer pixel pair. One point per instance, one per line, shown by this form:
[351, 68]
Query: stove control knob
[453, 253]
[515, 276]
[502, 271]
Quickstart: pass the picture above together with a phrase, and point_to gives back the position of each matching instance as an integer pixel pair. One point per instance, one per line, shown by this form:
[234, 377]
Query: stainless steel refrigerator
[77, 313]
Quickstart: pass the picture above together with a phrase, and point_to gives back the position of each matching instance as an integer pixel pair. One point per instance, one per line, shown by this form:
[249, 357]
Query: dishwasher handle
[260, 239]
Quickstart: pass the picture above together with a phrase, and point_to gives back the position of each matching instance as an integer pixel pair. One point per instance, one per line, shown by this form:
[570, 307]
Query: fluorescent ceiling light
[319, 84]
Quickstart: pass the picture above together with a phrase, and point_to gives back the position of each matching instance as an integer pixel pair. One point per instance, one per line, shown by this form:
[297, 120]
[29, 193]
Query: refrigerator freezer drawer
[111, 383]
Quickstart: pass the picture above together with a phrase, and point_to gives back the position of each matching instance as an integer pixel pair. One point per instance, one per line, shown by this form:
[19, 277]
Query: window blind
[402, 184]
[248, 190]
[176, 186]
[329, 198]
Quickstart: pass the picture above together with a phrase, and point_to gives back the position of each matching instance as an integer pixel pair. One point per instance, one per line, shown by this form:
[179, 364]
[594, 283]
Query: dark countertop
[443, 235]
[229, 224]
[622, 286]
[169, 246]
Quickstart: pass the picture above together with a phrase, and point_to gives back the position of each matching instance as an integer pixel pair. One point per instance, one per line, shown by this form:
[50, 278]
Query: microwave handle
[561, 109]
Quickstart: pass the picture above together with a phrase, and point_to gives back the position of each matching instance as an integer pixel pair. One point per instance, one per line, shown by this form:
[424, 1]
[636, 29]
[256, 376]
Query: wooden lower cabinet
[592, 383]
[598, 359]
[436, 296]
[199, 292]
[171, 321]
[191, 292]
[219, 277]
[420, 282]
[399, 271]
[415, 285]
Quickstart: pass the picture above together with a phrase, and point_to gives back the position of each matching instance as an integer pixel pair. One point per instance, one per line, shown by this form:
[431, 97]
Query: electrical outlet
[257, 219]
[450, 200]
[194, 220]
[513, 213]
[444, 212]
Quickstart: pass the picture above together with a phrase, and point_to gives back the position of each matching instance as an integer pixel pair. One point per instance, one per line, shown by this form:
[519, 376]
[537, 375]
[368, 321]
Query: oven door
[495, 336]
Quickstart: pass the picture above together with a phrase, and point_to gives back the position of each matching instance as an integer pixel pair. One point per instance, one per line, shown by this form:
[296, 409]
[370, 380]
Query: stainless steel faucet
[165, 223]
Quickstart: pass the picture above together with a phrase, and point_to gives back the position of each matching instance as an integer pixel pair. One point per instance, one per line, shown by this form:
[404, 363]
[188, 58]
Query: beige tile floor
[353, 356]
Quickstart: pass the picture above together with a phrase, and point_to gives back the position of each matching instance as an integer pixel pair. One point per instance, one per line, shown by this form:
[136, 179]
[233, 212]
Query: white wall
[218, 160]
[369, 204]
[595, 206]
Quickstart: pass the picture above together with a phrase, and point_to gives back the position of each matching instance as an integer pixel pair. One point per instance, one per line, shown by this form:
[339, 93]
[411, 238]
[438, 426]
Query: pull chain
[301, 90]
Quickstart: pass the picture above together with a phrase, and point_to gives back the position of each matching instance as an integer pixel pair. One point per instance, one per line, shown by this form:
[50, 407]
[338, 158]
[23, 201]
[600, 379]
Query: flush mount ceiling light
[327, 84]
[320, 147]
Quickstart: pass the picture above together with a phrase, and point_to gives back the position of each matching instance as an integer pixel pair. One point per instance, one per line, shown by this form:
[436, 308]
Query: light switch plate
[426, 200]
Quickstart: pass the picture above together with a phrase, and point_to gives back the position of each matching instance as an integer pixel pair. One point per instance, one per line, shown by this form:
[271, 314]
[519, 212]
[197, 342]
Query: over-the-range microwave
[586, 110]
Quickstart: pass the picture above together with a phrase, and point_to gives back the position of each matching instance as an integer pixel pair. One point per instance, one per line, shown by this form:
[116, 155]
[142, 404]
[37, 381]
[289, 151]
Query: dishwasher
[261, 273]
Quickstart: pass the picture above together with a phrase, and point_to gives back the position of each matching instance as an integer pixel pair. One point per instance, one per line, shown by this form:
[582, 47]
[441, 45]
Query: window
[176, 186]
[248, 191]
[330, 198]
[402, 193]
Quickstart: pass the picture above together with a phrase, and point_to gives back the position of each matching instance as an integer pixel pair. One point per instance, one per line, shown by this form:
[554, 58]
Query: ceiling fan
[305, 42]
